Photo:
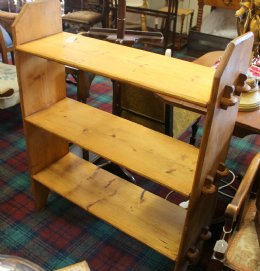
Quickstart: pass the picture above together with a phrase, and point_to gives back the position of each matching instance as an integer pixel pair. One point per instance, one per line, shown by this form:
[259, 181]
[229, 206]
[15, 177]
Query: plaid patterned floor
[62, 233]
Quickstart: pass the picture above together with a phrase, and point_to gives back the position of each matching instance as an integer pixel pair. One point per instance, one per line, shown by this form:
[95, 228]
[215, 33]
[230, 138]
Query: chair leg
[5, 57]
[168, 120]
[143, 17]
[12, 57]
[84, 80]
[116, 106]
[194, 129]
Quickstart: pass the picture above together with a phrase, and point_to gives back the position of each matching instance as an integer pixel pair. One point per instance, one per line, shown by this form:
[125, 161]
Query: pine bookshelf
[51, 121]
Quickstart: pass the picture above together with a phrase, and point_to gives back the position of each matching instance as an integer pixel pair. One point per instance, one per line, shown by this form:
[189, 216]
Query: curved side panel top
[37, 20]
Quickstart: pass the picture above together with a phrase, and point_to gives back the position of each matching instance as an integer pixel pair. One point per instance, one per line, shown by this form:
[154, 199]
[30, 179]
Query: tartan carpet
[63, 234]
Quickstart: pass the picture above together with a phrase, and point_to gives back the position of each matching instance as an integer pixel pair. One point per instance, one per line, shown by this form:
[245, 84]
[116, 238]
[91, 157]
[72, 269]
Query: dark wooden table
[247, 123]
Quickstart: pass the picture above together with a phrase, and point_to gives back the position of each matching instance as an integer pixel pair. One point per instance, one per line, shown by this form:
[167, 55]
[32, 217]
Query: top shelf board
[176, 78]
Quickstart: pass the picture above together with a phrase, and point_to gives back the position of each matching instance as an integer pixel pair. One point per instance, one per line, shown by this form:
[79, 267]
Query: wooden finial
[241, 86]
[228, 98]
[209, 187]
[193, 254]
[205, 234]
[222, 170]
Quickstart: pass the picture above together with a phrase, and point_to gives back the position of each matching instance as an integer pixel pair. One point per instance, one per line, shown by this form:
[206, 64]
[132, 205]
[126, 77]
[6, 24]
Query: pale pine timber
[47, 22]
[173, 77]
[151, 154]
[137, 212]
[190, 83]
[217, 133]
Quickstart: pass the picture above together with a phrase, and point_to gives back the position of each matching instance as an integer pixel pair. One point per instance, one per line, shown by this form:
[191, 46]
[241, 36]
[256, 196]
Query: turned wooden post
[121, 13]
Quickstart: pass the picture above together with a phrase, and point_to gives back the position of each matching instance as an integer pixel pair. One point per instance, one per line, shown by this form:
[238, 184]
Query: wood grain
[217, 132]
[81, 266]
[41, 83]
[151, 154]
[54, 120]
[47, 21]
[176, 78]
[137, 212]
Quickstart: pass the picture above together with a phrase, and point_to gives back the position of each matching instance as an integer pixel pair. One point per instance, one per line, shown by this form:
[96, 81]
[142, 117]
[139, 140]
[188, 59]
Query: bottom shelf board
[146, 217]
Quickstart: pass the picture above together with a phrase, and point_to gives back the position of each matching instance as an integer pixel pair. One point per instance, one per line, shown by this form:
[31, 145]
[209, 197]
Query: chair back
[76, 5]
[6, 44]
[94, 5]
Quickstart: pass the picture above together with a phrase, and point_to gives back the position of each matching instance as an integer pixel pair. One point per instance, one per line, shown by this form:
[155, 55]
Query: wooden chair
[9, 90]
[6, 43]
[91, 13]
[7, 5]
[182, 13]
[139, 4]
[234, 5]
[56, 120]
[143, 19]
[238, 247]
[83, 16]
[168, 15]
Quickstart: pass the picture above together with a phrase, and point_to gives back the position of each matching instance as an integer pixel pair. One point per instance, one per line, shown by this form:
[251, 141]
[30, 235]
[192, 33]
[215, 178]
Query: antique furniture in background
[56, 120]
[200, 42]
[239, 242]
[169, 16]
[181, 35]
[6, 43]
[89, 13]
[9, 91]
[4, 5]
[246, 122]
[72, 5]
[140, 24]
[7, 5]
[226, 4]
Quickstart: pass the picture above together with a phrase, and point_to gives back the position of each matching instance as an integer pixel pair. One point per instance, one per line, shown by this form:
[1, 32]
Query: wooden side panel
[218, 130]
[37, 20]
[41, 84]
[43, 148]
[219, 122]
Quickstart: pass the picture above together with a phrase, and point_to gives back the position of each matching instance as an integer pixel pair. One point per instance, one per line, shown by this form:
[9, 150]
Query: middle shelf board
[158, 157]
[148, 218]
[183, 80]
